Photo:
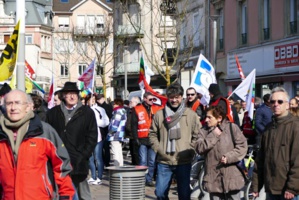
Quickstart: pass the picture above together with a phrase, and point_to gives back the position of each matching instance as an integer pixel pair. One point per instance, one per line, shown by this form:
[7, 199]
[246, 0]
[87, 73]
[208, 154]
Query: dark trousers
[106, 153]
[134, 148]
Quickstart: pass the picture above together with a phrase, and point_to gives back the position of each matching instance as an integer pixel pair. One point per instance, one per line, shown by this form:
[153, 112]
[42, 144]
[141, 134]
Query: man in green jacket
[277, 164]
[173, 134]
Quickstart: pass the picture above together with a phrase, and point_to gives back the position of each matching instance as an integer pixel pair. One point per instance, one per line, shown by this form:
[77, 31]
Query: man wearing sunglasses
[142, 116]
[193, 102]
[277, 164]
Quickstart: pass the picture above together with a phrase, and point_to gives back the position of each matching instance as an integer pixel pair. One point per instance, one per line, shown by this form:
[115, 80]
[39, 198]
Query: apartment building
[82, 33]
[264, 35]
[38, 35]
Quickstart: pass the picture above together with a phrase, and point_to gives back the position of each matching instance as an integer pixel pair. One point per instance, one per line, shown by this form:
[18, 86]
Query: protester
[263, 116]
[294, 103]
[57, 98]
[222, 144]
[218, 99]
[116, 131]
[142, 115]
[3, 91]
[28, 147]
[133, 144]
[173, 135]
[277, 162]
[97, 155]
[45, 102]
[76, 125]
[193, 102]
[37, 106]
[100, 100]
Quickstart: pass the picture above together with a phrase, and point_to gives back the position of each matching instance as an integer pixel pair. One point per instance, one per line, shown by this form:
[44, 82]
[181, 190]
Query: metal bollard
[127, 182]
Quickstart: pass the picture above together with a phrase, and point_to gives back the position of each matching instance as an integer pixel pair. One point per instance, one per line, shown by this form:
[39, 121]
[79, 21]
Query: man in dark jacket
[76, 125]
[263, 116]
[277, 163]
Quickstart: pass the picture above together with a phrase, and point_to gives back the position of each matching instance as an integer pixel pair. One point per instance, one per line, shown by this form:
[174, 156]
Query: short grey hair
[280, 89]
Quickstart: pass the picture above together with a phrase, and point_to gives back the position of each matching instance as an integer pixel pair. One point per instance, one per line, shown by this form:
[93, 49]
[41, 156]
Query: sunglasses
[153, 99]
[190, 94]
[278, 101]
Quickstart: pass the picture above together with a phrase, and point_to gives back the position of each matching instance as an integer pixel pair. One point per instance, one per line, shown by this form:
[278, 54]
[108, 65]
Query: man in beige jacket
[173, 134]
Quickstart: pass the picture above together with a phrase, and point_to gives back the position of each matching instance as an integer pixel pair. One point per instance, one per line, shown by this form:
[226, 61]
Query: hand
[288, 195]
[255, 194]
[217, 131]
[224, 160]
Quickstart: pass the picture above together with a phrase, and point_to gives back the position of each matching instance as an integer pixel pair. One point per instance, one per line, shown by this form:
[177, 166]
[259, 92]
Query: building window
[81, 68]
[28, 39]
[100, 21]
[45, 43]
[64, 72]
[64, 1]
[293, 16]
[63, 22]
[167, 20]
[196, 35]
[244, 23]
[99, 70]
[266, 19]
[221, 29]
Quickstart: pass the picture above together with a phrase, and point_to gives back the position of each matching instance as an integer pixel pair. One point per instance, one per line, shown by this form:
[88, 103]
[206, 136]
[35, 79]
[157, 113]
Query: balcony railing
[244, 38]
[133, 67]
[87, 31]
[129, 31]
[266, 33]
[293, 27]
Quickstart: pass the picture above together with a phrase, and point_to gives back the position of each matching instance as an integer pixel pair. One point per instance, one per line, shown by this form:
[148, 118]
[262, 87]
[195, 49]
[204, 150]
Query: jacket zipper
[46, 187]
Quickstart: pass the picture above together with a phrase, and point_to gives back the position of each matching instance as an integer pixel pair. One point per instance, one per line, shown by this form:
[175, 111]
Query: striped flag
[144, 86]
[246, 91]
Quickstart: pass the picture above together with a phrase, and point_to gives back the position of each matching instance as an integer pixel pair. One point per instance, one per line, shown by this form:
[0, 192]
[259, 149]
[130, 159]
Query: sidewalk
[102, 191]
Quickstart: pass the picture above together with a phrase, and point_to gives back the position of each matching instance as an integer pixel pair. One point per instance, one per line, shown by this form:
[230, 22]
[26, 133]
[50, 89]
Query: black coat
[79, 135]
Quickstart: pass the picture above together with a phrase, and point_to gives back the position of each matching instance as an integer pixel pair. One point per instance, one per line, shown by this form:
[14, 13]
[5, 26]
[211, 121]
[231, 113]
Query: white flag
[203, 76]
[147, 72]
[246, 91]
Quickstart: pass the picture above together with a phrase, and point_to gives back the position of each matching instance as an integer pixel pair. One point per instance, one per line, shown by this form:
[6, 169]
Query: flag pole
[20, 7]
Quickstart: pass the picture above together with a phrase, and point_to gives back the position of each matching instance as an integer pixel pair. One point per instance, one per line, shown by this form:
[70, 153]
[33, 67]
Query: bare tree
[158, 28]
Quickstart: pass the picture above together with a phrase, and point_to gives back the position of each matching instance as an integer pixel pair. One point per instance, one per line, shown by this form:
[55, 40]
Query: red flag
[29, 71]
[239, 68]
[51, 95]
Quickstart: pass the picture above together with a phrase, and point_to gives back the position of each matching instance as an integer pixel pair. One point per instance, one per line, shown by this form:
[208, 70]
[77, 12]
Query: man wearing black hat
[218, 99]
[76, 125]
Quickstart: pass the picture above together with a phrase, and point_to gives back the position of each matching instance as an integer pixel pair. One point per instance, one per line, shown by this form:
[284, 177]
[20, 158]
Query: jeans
[164, 178]
[279, 197]
[98, 157]
[75, 197]
[147, 157]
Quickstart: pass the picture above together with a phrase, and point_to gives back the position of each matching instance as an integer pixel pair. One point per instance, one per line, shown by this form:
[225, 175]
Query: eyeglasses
[190, 94]
[16, 103]
[278, 101]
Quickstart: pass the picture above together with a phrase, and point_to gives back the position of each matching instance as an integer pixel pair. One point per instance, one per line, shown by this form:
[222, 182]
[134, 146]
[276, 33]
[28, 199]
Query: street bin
[127, 182]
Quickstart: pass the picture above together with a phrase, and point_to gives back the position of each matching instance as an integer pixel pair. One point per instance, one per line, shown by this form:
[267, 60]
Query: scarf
[172, 120]
[67, 114]
[21, 127]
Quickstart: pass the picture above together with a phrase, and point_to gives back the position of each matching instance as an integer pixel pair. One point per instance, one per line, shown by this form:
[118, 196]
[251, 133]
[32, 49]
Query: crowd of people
[61, 146]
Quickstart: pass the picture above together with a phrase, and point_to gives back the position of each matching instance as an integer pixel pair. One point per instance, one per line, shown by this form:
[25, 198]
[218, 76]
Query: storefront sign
[286, 55]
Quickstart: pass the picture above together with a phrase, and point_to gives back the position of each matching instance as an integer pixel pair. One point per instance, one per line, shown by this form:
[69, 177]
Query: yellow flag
[28, 83]
[9, 55]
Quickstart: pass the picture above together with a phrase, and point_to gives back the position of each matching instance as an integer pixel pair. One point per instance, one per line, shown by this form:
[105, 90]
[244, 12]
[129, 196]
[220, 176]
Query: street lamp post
[214, 18]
